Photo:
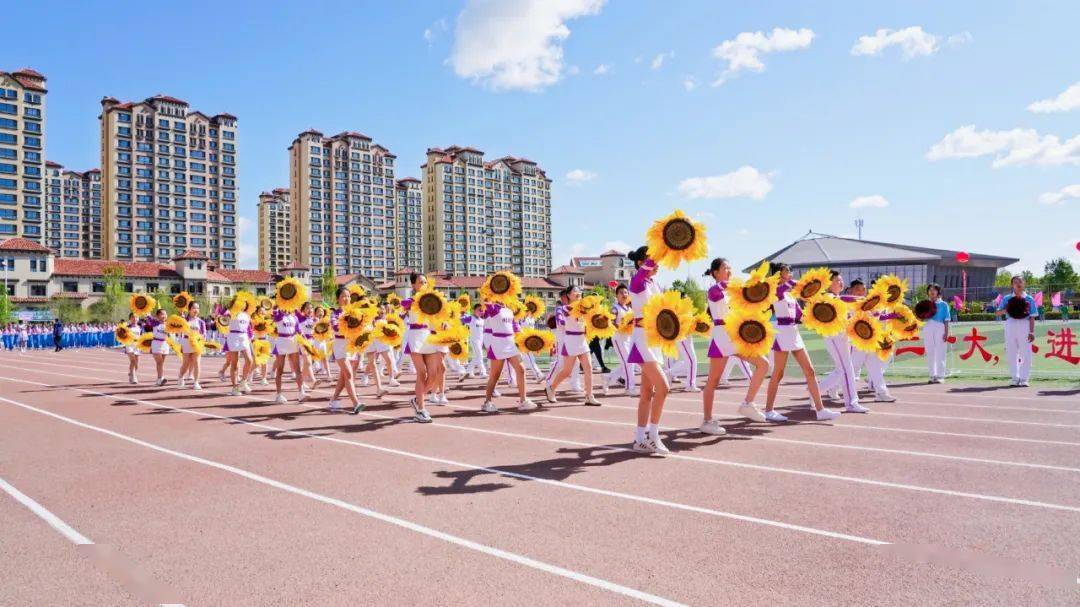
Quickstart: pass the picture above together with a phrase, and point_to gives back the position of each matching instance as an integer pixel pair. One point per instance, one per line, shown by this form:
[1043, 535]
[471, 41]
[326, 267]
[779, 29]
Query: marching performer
[426, 359]
[159, 348]
[1020, 312]
[624, 371]
[654, 386]
[238, 343]
[935, 334]
[133, 328]
[839, 348]
[475, 322]
[191, 346]
[499, 289]
[291, 295]
[343, 321]
[574, 349]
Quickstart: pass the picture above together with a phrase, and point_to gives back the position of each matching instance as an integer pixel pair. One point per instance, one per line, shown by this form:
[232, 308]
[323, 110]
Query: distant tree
[1060, 275]
[1003, 278]
[113, 303]
[164, 300]
[66, 309]
[602, 290]
[1030, 280]
[7, 309]
[692, 290]
[328, 283]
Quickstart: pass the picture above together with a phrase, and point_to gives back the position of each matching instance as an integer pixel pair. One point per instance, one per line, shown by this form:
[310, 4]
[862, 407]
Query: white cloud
[1067, 101]
[743, 232]
[579, 176]
[658, 61]
[573, 70]
[602, 69]
[745, 182]
[913, 42]
[1066, 193]
[1017, 147]
[875, 201]
[958, 39]
[745, 50]
[690, 83]
[515, 44]
[247, 249]
[431, 33]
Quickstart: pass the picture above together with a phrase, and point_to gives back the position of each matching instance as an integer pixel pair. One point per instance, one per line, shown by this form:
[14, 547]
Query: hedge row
[979, 316]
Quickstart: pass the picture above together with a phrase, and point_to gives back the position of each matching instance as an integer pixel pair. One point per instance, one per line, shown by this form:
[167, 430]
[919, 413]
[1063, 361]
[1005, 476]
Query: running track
[114, 494]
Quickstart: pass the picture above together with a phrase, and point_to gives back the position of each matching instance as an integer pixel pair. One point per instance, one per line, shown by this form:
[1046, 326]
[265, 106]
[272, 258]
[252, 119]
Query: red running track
[140, 495]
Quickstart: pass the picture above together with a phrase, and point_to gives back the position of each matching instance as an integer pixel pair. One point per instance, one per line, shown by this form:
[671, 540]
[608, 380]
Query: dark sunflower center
[752, 331]
[756, 293]
[599, 322]
[534, 343]
[894, 293]
[500, 284]
[667, 325]
[885, 344]
[810, 289]
[355, 297]
[912, 327]
[701, 326]
[823, 312]
[864, 330]
[352, 322]
[430, 304]
[455, 348]
[679, 234]
[870, 303]
[287, 291]
[530, 307]
[140, 302]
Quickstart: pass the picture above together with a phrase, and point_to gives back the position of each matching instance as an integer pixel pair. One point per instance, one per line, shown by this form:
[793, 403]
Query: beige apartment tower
[274, 230]
[169, 180]
[484, 216]
[343, 205]
[22, 154]
[73, 211]
[410, 225]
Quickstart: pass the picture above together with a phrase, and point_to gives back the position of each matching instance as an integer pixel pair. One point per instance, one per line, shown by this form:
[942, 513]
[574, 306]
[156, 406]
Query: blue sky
[809, 116]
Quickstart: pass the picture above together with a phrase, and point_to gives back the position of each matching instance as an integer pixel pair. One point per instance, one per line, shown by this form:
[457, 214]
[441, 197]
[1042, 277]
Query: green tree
[328, 284]
[112, 305]
[602, 290]
[1003, 278]
[164, 300]
[66, 309]
[1030, 280]
[691, 290]
[1060, 275]
[7, 310]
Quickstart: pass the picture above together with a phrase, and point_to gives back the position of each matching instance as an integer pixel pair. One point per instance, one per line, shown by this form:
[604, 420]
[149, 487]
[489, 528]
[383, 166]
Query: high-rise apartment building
[409, 238]
[274, 230]
[481, 217]
[22, 154]
[342, 197]
[168, 181]
[73, 211]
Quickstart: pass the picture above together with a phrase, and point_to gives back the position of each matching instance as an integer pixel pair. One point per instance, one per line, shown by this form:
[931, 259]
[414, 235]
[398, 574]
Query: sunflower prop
[886, 345]
[454, 333]
[322, 330]
[599, 324]
[459, 351]
[431, 306]
[210, 345]
[667, 319]
[1017, 308]
[243, 301]
[873, 301]
[313, 351]
[626, 327]
[534, 306]
[925, 309]
[751, 332]
[124, 336]
[174, 346]
[144, 341]
[585, 306]
[360, 342]
[389, 333]
[825, 315]
[176, 324]
[519, 310]
[291, 295]
[357, 293]
[454, 312]
[864, 332]
[891, 288]
[811, 283]
[755, 294]
[266, 303]
[260, 326]
[198, 343]
[703, 324]
[222, 324]
[501, 287]
[352, 322]
[394, 300]
[535, 341]
[260, 349]
[904, 324]
[142, 304]
[182, 300]
[675, 239]
[464, 301]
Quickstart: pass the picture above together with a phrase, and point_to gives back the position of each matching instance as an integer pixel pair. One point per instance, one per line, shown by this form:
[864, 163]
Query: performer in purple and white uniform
[654, 384]
[191, 364]
[574, 349]
[501, 349]
[625, 369]
[287, 348]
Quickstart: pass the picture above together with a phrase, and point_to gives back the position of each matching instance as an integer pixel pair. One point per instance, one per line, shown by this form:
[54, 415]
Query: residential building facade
[274, 230]
[169, 181]
[610, 266]
[22, 154]
[409, 238]
[343, 205]
[481, 217]
[73, 211]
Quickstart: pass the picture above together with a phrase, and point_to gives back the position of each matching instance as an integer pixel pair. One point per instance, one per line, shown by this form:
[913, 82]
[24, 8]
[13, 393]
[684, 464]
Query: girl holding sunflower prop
[261, 349]
[839, 349]
[533, 308]
[788, 315]
[676, 239]
[756, 292]
[376, 349]
[128, 333]
[357, 293]
[684, 367]
[311, 355]
[534, 341]
[144, 342]
[585, 306]
[291, 297]
[668, 319]
[182, 300]
[142, 304]
[426, 308]
[863, 331]
[192, 345]
[345, 323]
[654, 386]
[575, 347]
[238, 342]
[599, 324]
[865, 357]
[159, 345]
[624, 321]
[903, 323]
[501, 287]
[501, 348]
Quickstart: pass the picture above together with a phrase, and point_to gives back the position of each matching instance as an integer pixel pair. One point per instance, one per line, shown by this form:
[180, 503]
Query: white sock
[639, 434]
[654, 431]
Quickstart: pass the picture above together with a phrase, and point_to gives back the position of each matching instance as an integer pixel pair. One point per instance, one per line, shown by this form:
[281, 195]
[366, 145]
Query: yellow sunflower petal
[600, 324]
[750, 332]
[864, 331]
[535, 341]
[667, 319]
[825, 315]
[676, 239]
[142, 304]
[811, 283]
[291, 295]
[534, 306]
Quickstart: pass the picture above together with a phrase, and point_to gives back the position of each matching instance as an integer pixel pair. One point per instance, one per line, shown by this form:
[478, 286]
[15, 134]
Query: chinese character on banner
[1061, 345]
[916, 350]
[975, 340]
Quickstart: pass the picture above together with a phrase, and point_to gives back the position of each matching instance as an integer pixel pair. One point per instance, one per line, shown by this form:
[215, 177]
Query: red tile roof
[50, 163]
[190, 254]
[225, 115]
[248, 276]
[567, 270]
[23, 244]
[612, 253]
[405, 179]
[167, 99]
[97, 267]
[30, 72]
[296, 266]
[343, 134]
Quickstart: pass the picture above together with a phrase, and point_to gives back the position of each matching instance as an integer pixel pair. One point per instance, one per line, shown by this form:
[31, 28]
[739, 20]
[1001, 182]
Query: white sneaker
[264, 381]
[489, 407]
[550, 394]
[245, 387]
[605, 389]
[195, 386]
[641, 446]
[181, 383]
[443, 400]
[527, 405]
[495, 394]
[826, 414]
[357, 409]
[692, 389]
[221, 376]
[393, 383]
[1024, 383]
[334, 406]
[422, 417]
[885, 397]
[235, 391]
[773, 416]
[302, 397]
[131, 379]
[591, 401]
[856, 408]
[658, 446]
[712, 427]
[751, 412]
[280, 399]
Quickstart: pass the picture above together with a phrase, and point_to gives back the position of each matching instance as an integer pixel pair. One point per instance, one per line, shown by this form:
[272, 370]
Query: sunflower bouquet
[123, 334]
[599, 324]
[357, 293]
[585, 306]
[904, 324]
[676, 239]
[750, 332]
[265, 303]
[825, 315]
[864, 331]
[431, 306]
[360, 342]
[309, 348]
[534, 341]
[322, 330]
[891, 289]
[176, 324]
[291, 294]
[755, 294]
[703, 324]
[260, 349]
[464, 301]
[811, 284]
[667, 319]
[502, 287]
[626, 326]
[886, 345]
[534, 306]
[182, 300]
[243, 301]
[142, 304]
[260, 326]
[352, 322]
[222, 324]
[390, 332]
[144, 341]
[455, 337]
[395, 300]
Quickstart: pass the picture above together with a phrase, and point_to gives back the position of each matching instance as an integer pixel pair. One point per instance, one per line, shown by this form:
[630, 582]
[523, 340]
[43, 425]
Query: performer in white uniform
[624, 371]
[192, 364]
[159, 347]
[935, 334]
[574, 348]
[287, 348]
[654, 384]
[501, 350]
[477, 365]
[1020, 313]
[839, 348]
[342, 357]
[132, 351]
[239, 344]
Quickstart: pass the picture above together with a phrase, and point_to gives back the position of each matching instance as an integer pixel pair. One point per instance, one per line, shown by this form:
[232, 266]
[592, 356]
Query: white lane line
[393, 520]
[758, 467]
[46, 515]
[463, 465]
